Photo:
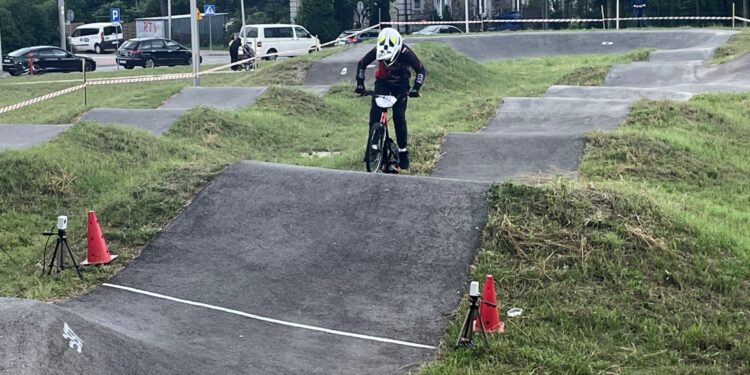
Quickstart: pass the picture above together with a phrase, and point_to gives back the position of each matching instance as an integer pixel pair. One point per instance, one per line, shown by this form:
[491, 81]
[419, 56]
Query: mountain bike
[381, 152]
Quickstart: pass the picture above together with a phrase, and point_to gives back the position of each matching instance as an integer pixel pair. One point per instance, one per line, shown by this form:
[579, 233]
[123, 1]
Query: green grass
[65, 109]
[137, 182]
[737, 46]
[595, 75]
[641, 266]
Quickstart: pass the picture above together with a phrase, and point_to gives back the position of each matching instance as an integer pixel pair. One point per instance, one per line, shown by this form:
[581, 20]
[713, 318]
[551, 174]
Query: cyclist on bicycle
[392, 78]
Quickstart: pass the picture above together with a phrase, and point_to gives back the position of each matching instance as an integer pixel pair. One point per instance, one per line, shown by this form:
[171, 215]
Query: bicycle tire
[375, 148]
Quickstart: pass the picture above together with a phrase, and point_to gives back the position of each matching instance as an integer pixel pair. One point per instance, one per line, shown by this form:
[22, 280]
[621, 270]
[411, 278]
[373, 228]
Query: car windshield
[20, 52]
[130, 44]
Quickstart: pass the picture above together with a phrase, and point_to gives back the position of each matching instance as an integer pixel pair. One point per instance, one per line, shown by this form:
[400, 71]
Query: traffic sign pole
[209, 10]
[194, 42]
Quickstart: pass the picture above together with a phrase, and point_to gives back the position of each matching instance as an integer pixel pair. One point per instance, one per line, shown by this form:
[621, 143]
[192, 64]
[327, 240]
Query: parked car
[153, 52]
[97, 37]
[507, 15]
[439, 29]
[279, 39]
[46, 59]
[348, 37]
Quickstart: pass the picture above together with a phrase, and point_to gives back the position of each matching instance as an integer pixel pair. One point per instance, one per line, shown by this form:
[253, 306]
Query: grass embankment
[65, 109]
[137, 182]
[642, 266]
[737, 46]
[595, 75]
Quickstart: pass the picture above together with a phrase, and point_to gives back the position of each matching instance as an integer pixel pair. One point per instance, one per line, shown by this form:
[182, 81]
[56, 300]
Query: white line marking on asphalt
[270, 320]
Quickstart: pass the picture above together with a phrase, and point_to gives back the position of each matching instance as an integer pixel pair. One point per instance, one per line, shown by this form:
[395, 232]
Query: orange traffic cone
[488, 311]
[98, 252]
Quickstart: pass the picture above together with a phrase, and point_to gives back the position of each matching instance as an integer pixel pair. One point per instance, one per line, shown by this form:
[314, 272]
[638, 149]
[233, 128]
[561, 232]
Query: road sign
[114, 15]
[209, 9]
[71, 15]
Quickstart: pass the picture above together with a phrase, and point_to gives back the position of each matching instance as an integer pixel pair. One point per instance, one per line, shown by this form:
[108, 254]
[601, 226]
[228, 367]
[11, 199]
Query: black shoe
[403, 159]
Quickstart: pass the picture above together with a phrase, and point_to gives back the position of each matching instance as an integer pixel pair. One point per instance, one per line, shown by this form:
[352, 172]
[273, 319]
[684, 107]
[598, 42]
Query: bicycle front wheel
[375, 147]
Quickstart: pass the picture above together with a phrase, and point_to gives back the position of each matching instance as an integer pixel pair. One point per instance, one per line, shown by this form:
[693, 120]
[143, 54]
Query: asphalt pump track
[278, 269]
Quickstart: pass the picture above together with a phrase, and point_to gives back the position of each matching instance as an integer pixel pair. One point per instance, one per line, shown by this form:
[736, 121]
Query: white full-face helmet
[389, 45]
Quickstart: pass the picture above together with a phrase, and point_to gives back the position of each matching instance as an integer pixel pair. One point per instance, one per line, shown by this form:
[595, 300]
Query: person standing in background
[639, 11]
[234, 49]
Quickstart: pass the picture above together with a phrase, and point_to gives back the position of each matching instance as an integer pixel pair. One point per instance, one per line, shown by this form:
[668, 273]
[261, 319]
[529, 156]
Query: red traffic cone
[98, 252]
[488, 310]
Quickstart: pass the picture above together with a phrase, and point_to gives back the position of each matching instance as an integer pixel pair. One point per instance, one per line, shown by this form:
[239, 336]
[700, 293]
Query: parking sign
[209, 9]
[114, 14]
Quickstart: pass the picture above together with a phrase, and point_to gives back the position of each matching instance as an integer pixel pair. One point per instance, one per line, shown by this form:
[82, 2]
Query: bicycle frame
[384, 102]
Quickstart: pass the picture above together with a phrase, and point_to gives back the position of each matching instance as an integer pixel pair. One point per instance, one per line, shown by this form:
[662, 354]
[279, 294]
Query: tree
[344, 12]
[318, 17]
[27, 23]
[447, 16]
[380, 10]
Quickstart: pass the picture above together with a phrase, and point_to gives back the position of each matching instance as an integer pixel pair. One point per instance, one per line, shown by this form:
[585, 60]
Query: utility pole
[242, 9]
[61, 17]
[466, 14]
[169, 19]
[194, 42]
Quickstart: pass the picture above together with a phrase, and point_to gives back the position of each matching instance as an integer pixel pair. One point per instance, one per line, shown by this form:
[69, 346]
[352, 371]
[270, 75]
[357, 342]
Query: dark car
[439, 29]
[507, 15]
[45, 59]
[153, 52]
[348, 37]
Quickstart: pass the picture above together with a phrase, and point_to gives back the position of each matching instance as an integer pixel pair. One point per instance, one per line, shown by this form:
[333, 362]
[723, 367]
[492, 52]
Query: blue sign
[114, 15]
[209, 9]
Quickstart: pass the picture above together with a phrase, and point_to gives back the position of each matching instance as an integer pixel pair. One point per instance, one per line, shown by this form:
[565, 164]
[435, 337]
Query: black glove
[414, 93]
[360, 89]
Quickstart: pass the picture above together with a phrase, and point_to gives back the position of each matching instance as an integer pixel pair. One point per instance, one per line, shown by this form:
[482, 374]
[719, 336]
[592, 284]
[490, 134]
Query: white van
[97, 37]
[286, 40]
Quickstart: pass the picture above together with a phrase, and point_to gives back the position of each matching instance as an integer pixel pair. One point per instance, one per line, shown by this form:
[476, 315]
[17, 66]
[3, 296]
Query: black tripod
[467, 330]
[57, 255]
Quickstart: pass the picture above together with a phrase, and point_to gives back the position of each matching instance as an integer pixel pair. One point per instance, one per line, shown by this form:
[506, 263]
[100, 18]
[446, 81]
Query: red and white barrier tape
[40, 98]
[115, 81]
[742, 19]
[556, 20]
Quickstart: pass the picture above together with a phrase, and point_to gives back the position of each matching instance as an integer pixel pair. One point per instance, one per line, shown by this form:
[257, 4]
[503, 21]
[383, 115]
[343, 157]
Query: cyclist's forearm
[362, 65]
[419, 69]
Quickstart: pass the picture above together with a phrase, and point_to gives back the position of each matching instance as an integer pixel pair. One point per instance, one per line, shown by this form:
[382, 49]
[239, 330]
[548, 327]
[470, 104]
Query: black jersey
[398, 71]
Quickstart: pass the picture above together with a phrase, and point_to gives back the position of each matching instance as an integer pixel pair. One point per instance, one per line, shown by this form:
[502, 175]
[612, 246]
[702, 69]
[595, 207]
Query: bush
[318, 17]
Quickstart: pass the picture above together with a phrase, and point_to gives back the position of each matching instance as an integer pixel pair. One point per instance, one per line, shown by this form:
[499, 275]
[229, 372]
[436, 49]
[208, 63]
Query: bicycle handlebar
[373, 94]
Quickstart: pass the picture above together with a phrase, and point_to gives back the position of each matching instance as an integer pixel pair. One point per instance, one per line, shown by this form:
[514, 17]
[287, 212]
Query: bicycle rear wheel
[375, 147]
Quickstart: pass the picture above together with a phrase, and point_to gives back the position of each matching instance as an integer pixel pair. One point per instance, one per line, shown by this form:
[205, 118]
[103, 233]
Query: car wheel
[150, 63]
[129, 67]
[89, 67]
[272, 57]
[98, 49]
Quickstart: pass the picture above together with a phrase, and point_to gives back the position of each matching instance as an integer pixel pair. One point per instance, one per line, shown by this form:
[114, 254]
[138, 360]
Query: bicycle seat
[385, 101]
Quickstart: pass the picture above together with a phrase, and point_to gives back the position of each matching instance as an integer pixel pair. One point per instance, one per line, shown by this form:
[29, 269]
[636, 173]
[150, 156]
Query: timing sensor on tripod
[62, 224]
